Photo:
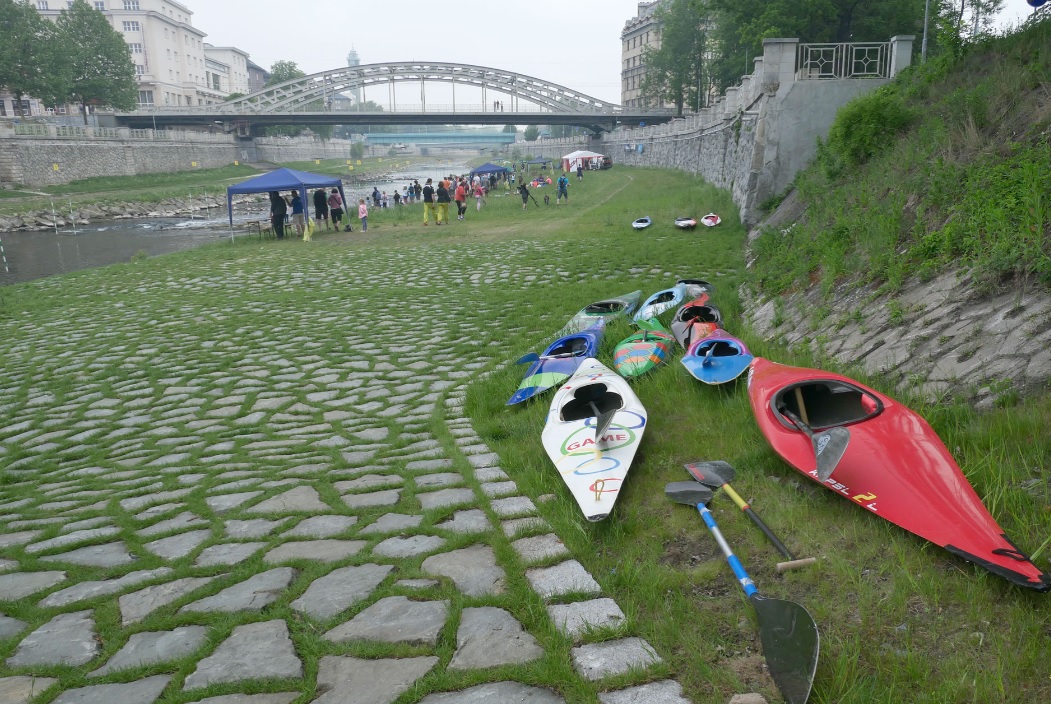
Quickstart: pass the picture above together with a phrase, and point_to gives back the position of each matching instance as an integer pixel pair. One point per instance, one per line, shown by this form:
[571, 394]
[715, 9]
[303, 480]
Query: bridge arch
[299, 93]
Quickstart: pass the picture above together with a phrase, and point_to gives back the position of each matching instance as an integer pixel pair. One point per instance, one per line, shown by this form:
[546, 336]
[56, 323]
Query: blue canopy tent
[285, 180]
[486, 169]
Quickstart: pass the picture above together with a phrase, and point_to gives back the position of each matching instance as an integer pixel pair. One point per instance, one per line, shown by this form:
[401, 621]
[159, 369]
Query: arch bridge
[507, 97]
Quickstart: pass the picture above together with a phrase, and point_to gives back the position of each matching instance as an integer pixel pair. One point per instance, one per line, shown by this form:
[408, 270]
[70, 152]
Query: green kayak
[602, 310]
[639, 353]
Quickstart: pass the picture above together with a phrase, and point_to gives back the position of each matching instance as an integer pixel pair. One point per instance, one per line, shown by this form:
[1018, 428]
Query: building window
[169, 54]
[131, 26]
[186, 39]
[140, 70]
[165, 32]
[41, 4]
[100, 5]
[145, 97]
[136, 47]
[131, 4]
[215, 81]
[3, 108]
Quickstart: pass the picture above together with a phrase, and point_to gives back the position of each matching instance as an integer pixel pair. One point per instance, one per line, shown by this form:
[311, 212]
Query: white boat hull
[594, 471]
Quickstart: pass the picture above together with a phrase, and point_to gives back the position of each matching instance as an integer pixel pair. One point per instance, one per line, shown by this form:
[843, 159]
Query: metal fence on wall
[857, 60]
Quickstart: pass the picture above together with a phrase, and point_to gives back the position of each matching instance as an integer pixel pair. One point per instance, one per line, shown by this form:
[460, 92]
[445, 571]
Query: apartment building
[173, 64]
[639, 32]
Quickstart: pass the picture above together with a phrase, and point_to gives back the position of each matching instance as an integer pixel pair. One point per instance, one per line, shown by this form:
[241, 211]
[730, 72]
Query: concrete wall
[753, 139]
[45, 154]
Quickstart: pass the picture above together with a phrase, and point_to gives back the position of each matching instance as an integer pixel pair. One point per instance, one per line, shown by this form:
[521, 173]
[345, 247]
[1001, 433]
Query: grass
[249, 322]
[953, 171]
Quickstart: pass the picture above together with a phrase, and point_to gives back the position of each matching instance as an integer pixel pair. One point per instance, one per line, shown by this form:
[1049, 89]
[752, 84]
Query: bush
[863, 128]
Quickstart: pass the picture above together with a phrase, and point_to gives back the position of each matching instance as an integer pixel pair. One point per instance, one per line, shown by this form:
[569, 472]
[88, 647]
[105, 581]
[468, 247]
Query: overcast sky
[574, 43]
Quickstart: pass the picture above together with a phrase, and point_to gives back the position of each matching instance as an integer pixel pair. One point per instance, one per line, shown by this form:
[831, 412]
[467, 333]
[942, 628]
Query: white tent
[582, 157]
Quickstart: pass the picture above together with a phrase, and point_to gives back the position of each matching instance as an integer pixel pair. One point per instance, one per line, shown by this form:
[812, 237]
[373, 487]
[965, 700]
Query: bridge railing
[400, 109]
[67, 132]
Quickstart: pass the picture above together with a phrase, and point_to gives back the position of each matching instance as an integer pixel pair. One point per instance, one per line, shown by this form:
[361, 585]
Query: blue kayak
[661, 301]
[717, 359]
[558, 362]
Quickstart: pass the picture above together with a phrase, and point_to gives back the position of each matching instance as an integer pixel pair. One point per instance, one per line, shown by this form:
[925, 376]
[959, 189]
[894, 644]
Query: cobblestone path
[215, 491]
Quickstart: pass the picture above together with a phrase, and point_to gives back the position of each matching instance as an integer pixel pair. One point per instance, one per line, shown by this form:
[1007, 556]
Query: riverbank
[180, 433]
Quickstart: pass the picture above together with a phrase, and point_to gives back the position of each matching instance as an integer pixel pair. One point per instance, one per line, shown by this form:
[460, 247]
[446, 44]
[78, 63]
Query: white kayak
[592, 432]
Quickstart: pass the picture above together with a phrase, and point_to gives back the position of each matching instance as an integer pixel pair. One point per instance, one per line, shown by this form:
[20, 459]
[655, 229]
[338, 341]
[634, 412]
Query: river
[35, 255]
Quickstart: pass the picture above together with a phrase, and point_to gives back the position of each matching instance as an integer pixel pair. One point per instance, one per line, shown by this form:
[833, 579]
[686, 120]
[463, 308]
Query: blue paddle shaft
[735, 563]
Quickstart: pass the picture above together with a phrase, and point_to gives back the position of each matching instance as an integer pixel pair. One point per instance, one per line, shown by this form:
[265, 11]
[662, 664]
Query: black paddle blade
[829, 447]
[527, 358]
[690, 493]
[602, 421]
[790, 645]
[713, 474]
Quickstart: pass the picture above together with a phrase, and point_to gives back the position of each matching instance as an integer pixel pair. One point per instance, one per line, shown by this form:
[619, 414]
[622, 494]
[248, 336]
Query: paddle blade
[829, 447]
[527, 358]
[689, 493]
[602, 421]
[711, 474]
[790, 645]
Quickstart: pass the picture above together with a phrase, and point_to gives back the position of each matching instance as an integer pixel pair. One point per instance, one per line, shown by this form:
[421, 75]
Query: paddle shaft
[741, 504]
[735, 563]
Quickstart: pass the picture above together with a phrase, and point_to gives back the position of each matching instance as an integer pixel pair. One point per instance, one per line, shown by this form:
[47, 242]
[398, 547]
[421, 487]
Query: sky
[574, 43]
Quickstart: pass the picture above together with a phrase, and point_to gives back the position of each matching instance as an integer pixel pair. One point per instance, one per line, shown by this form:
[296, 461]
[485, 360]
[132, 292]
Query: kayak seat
[830, 403]
[587, 399]
[605, 307]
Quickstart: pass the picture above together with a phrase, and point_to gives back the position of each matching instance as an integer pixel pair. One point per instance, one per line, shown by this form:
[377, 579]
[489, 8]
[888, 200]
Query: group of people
[561, 190]
[328, 209]
[436, 199]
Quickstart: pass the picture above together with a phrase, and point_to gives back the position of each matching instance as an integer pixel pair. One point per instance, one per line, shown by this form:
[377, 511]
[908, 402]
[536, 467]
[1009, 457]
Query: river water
[35, 255]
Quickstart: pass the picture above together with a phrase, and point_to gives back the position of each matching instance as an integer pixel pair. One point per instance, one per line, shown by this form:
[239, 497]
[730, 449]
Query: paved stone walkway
[209, 492]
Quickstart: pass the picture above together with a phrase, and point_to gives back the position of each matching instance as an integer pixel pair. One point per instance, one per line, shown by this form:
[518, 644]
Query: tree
[677, 71]
[510, 129]
[98, 58]
[531, 133]
[28, 64]
[742, 25]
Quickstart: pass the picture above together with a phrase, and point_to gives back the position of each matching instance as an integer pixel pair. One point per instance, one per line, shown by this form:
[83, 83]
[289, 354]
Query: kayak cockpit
[825, 404]
[604, 308]
[701, 314]
[573, 347]
[590, 401]
[719, 348]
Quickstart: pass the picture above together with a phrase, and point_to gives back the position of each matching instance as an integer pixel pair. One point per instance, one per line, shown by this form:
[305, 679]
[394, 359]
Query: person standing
[321, 208]
[580, 171]
[442, 198]
[363, 214]
[297, 213]
[428, 202]
[278, 210]
[479, 194]
[461, 200]
[525, 194]
[417, 190]
[335, 207]
[563, 189]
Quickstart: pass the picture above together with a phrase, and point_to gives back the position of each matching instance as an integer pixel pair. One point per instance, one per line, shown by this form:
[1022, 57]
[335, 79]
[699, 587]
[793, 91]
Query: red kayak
[894, 464]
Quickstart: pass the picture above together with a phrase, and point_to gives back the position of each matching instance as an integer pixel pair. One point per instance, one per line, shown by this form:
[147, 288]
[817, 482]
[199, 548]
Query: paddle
[708, 357]
[527, 358]
[790, 639]
[717, 475]
[829, 445]
[602, 421]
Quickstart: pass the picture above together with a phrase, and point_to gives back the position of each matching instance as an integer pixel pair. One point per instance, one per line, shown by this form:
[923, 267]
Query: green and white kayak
[605, 310]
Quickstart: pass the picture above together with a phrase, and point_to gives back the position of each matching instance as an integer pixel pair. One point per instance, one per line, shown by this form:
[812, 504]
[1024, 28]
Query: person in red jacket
[461, 199]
